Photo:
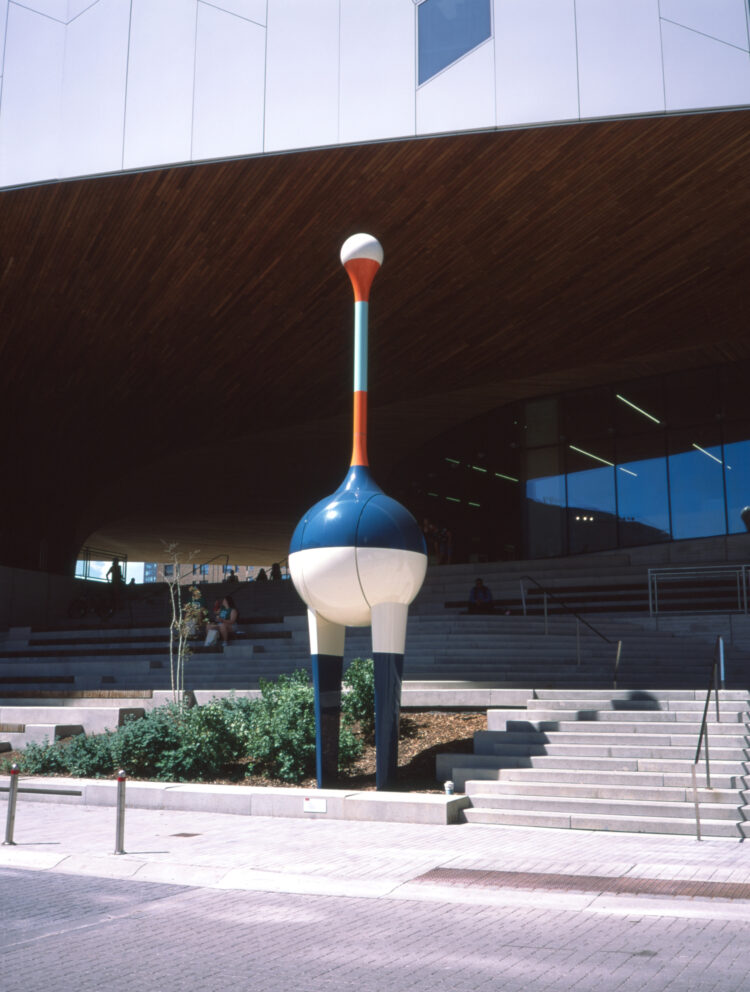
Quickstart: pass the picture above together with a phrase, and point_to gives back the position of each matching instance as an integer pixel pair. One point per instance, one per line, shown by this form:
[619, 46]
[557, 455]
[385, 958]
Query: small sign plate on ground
[311, 805]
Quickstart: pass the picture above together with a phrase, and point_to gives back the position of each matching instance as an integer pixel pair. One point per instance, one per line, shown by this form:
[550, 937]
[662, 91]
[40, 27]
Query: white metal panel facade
[90, 87]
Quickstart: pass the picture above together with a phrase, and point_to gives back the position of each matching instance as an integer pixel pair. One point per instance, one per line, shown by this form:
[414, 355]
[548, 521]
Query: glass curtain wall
[640, 462]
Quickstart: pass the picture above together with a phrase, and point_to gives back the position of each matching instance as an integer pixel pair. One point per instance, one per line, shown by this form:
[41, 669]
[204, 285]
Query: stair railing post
[12, 797]
[695, 802]
[578, 642]
[721, 674]
[523, 597]
[708, 763]
[120, 830]
[617, 663]
[546, 627]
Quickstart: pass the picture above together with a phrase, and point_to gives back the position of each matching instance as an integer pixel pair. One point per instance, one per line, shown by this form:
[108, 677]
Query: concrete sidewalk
[511, 866]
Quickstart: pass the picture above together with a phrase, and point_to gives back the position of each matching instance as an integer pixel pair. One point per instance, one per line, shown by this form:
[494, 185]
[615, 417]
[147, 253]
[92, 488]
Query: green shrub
[206, 743]
[276, 733]
[88, 757]
[280, 735]
[279, 731]
[42, 759]
[358, 704]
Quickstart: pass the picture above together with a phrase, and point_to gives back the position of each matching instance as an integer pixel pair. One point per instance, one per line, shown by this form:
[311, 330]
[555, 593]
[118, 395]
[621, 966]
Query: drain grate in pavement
[686, 888]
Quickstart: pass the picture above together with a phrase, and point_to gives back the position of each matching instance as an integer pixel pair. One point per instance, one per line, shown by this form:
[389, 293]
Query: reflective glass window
[544, 505]
[692, 397]
[639, 407]
[588, 413]
[734, 391]
[642, 490]
[448, 29]
[541, 422]
[592, 508]
[737, 474]
[696, 483]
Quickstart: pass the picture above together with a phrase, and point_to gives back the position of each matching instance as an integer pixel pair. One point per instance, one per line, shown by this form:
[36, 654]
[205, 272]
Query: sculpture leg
[327, 655]
[388, 642]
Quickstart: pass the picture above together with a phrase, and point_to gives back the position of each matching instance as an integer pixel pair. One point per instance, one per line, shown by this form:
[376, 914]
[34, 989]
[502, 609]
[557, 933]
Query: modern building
[210, 573]
[559, 344]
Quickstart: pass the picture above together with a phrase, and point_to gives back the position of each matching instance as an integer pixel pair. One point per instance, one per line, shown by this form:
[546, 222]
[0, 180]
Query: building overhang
[177, 343]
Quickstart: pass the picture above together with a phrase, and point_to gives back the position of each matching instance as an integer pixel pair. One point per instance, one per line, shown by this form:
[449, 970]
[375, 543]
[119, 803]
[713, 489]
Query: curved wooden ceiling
[176, 344]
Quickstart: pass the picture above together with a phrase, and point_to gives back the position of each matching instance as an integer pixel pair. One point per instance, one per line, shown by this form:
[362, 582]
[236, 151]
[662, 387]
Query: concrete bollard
[12, 797]
[120, 833]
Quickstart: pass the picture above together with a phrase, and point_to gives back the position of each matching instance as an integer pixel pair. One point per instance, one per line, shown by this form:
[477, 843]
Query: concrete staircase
[615, 760]
[26, 719]
[508, 651]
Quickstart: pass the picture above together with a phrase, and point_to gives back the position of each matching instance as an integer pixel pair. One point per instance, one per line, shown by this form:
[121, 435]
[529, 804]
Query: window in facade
[448, 29]
[737, 473]
[696, 482]
[635, 463]
[169, 570]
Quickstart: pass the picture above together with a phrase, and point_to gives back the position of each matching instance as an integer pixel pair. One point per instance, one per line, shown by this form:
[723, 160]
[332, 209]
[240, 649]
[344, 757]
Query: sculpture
[358, 558]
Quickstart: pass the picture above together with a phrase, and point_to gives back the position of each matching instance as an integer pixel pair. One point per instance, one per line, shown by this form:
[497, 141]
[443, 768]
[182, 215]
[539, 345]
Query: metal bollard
[120, 835]
[12, 796]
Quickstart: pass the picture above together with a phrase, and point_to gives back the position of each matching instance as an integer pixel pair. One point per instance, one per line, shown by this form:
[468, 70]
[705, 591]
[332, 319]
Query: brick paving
[88, 935]
[586, 883]
[210, 901]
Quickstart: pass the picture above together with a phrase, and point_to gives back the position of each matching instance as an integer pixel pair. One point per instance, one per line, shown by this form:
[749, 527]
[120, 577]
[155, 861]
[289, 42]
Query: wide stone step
[37, 733]
[670, 728]
[447, 763]
[636, 750]
[495, 742]
[94, 719]
[497, 718]
[685, 694]
[595, 790]
[678, 779]
[607, 807]
[694, 706]
[592, 821]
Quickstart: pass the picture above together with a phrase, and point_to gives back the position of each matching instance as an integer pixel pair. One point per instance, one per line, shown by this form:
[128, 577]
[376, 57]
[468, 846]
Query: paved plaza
[214, 901]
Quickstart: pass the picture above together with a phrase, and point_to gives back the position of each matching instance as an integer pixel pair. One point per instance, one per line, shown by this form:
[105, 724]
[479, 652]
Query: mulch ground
[423, 735]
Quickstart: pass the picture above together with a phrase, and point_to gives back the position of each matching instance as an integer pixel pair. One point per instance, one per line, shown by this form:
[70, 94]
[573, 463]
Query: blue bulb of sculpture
[356, 549]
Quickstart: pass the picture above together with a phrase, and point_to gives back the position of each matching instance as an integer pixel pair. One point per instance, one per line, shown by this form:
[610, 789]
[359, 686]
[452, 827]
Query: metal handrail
[225, 556]
[716, 677]
[740, 573]
[562, 603]
[88, 554]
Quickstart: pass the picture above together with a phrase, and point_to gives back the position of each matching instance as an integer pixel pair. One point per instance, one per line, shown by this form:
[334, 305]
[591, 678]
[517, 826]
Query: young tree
[180, 626]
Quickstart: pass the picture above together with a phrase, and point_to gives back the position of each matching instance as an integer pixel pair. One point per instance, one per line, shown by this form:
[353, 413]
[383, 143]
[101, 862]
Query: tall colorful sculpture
[358, 558]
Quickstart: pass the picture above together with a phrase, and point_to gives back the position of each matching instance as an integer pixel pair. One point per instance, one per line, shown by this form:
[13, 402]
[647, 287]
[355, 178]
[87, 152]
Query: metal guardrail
[731, 579]
[88, 555]
[561, 602]
[579, 620]
[716, 679]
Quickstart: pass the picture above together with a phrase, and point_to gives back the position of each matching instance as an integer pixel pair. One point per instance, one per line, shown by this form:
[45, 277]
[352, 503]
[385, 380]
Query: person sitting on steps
[225, 624]
[480, 598]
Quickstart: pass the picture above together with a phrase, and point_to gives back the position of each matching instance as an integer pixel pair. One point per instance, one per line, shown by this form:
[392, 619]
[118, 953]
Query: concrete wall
[33, 599]
[96, 86]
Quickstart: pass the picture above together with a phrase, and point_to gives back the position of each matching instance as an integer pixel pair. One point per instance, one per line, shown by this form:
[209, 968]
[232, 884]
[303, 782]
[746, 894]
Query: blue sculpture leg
[389, 670]
[327, 655]
[327, 670]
